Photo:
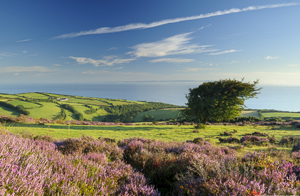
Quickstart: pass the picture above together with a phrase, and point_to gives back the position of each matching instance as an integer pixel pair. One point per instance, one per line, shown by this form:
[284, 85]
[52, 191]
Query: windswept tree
[219, 100]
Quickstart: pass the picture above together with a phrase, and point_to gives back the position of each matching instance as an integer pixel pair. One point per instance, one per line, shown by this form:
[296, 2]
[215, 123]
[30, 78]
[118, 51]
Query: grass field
[25, 104]
[158, 132]
[158, 114]
[280, 114]
[253, 113]
[33, 95]
[49, 110]
[8, 96]
[8, 112]
[87, 101]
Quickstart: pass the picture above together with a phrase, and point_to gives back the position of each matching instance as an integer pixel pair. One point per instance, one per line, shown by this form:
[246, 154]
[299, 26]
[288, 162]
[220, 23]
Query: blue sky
[132, 41]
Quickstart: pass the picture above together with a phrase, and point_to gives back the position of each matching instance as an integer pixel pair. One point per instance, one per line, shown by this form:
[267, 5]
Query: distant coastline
[284, 98]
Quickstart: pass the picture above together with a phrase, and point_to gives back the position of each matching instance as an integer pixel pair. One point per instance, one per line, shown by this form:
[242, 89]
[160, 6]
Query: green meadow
[281, 114]
[158, 132]
[159, 114]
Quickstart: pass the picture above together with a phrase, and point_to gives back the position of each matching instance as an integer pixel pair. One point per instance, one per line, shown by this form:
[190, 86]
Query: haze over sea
[285, 98]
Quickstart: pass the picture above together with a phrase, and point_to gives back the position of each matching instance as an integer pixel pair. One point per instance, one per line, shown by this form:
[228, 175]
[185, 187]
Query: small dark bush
[289, 140]
[198, 140]
[226, 133]
[109, 140]
[196, 131]
[200, 126]
[272, 139]
[44, 138]
[229, 140]
[260, 134]
[296, 147]
[235, 131]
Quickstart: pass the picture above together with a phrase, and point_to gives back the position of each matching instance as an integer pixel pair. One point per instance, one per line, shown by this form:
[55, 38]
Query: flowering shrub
[161, 161]
[255, 140]
[30, 167]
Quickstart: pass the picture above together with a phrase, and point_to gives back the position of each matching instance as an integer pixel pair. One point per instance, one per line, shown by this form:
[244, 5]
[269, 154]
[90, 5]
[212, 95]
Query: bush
[255, 140]
[289, 140]
[200, 126]
[296, 147]
[229, 140]
[44, 138]
[226, 134]
[260, 134]
[86, 145]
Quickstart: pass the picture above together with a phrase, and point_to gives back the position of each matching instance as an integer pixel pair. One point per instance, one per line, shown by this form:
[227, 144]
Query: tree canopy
[220, 100]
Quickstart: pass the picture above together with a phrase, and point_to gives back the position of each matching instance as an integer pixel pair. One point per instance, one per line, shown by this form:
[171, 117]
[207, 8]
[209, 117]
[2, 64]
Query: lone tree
[220, 100]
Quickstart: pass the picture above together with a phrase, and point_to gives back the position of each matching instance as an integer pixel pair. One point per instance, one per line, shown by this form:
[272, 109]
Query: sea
[284, 98]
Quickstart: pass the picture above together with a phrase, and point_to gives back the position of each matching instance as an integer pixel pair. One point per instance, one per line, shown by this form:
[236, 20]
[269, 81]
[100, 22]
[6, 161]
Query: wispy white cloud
[178, 44]
[19, 69]
[223, 52]
[107, 61]
[196, 69]
[294, 65]
[7, 54]
[57, 65]
[172, 60]
[135, 26]
[271, 57]
[204, 27]
[25, 40]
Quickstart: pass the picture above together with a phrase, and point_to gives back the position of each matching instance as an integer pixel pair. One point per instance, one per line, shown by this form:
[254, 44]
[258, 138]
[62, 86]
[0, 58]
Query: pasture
[8, 112]
[280, 114]
[25, 104]
[165, 133]
[49, 110]
[159, 114]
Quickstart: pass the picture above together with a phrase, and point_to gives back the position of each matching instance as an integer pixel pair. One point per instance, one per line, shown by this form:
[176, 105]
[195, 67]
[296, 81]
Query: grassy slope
[49, 110]
[158, 114]
[25, 104]
[8, 112]
[33, 95]
[97, 116]
[8, 96]
[87, 101]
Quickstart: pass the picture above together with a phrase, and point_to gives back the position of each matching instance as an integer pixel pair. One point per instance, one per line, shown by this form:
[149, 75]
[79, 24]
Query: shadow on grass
[88, 127]
[14, 113]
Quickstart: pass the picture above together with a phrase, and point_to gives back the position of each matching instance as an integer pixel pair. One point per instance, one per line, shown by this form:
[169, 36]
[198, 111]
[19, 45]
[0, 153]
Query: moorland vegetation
[69, 145]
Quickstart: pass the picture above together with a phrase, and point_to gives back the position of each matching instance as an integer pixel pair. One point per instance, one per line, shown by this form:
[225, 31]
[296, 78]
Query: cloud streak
[136, 26]
[107, 61]
[223, 52]
[172, 60]
[25, 40]
[19, 69]
[271, 57]
[178, 44]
